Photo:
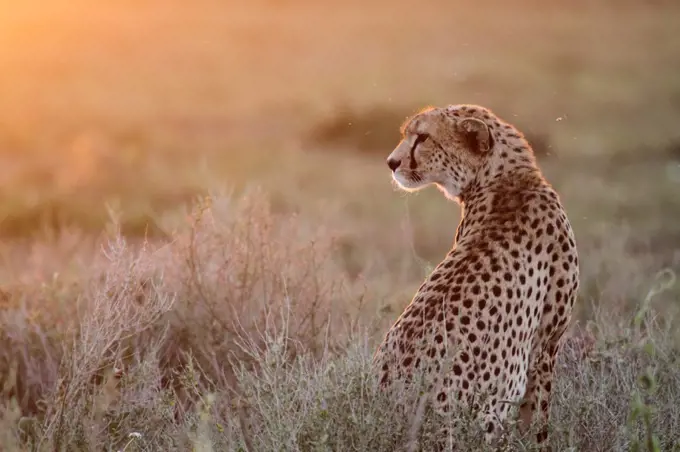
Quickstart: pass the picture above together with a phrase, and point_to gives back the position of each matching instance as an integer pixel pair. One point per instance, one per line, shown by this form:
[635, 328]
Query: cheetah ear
[477, 135]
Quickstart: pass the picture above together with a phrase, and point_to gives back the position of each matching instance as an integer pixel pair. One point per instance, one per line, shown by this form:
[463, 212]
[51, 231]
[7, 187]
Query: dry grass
[121, 334]
[241, 332]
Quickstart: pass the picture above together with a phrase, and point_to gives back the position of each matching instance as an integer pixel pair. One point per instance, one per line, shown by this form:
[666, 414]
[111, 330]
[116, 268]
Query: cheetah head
[440, 147]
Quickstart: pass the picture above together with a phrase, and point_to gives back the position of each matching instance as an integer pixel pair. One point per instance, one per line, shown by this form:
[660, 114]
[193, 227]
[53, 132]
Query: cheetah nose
[393, 163]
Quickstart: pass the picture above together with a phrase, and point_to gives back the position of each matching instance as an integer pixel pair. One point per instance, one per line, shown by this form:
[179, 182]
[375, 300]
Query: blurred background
[134, 109]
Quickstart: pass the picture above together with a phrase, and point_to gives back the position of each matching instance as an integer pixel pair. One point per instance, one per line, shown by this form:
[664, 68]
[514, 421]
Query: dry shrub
[241, 271]
[41, 285]
[132, 342]
[243, 332]
[105, 345]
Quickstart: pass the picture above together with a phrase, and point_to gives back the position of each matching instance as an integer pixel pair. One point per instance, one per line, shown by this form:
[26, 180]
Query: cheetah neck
[511, 165]
[481, 197]
[499, 197]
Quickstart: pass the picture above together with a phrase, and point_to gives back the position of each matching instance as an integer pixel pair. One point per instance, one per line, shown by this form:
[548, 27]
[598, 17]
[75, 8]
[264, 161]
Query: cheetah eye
[419, 139]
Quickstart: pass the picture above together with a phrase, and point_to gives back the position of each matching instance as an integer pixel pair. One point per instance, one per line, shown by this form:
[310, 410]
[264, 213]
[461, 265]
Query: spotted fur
[483, 330]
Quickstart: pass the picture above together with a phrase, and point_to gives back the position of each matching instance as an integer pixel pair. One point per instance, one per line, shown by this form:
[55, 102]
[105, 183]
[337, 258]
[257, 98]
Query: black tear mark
[419, 139]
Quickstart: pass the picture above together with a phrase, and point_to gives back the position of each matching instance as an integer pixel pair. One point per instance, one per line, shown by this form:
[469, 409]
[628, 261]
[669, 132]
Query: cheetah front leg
[536, 402]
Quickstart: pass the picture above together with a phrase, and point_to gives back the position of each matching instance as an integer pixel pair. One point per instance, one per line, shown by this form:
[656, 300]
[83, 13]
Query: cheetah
[489, 318]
